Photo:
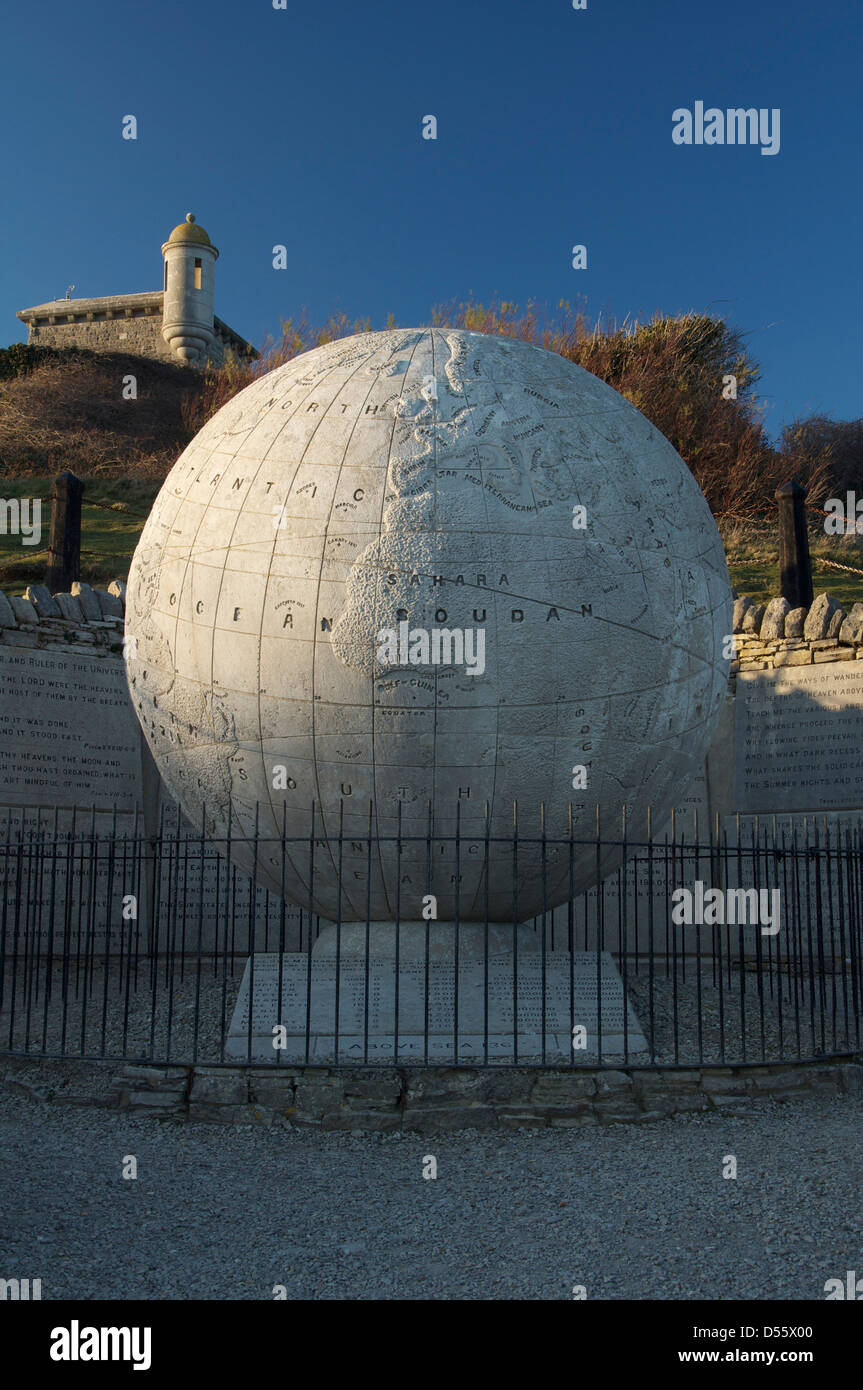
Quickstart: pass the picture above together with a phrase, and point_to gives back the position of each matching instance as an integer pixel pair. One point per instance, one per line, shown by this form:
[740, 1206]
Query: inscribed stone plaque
[575, 993]
[798, 739]
[67, 732]
[206, 896]
[817, 892]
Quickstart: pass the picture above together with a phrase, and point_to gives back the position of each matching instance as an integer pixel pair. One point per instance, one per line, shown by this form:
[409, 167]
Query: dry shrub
[672, 369]
[830, 452]
[71, 414]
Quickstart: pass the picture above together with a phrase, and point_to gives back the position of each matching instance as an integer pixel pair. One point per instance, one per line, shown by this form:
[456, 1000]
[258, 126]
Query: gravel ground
[628, 1211]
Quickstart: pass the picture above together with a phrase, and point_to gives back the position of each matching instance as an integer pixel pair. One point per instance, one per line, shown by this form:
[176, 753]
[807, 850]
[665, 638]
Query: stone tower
[189, 290]
[173, 324]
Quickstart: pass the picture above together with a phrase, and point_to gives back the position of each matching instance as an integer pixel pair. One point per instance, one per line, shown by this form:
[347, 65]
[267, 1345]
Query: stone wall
[773, 634]
[129, 323]
[420, 1099]
[85, 620]
[140, 336]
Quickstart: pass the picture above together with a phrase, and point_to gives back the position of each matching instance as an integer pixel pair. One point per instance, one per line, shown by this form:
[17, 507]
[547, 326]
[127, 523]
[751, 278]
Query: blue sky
[303, 126]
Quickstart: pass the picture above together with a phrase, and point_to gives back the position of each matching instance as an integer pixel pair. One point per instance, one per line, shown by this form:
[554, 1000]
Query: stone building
[174, 324]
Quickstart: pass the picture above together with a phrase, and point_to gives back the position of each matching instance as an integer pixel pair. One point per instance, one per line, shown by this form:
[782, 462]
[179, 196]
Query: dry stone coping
[851, 630]
[88, 601]
[70, 608]
[835, 623]
[109, 603]
[773, 625]
[24, 611]
[741, 606]
[40, 597]
[753, 618]
[819, 617]
[776, 635]
[51, 615]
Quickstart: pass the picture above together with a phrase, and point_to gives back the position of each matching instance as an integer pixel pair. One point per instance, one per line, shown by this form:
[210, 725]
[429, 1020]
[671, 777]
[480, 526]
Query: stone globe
[412, 595]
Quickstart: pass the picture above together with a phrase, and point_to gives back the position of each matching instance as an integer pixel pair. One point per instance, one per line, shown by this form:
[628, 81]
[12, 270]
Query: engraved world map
[412, 481]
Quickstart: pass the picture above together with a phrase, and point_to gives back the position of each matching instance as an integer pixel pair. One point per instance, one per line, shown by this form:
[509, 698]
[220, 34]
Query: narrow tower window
[198, 264]
[166, 275]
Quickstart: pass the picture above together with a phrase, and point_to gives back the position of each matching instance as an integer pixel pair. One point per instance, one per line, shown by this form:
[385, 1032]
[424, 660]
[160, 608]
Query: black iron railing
[740, 945]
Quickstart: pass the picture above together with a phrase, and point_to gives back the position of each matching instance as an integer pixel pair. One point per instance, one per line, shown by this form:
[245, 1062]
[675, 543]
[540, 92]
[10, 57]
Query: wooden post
[795, 569]
[64, 545]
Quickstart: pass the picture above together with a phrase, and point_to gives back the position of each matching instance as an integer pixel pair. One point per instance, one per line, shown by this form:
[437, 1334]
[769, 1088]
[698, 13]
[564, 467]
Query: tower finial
[187, 304]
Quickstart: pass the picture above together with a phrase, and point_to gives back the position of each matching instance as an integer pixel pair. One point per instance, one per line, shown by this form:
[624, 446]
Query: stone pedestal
[405, 1007]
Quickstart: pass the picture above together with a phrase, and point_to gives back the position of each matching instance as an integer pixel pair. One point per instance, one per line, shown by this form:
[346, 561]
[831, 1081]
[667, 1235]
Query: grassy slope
[72, 414]
[753, 562]
[111, 520]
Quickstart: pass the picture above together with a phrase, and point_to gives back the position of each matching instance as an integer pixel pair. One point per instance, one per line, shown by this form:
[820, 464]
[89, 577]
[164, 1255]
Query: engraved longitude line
[195, 470]
[495, 594]
[435, 333]
[563, 728]
[178, 501]
[480, 888]
[191, 555]
[336, 368]
[463, 378]
[231, 461]
[372, 387]
[222, 571]
[194, 555]
[387, 463]
[649, 596]
[639, 558]
[549, 602]
[312, 386]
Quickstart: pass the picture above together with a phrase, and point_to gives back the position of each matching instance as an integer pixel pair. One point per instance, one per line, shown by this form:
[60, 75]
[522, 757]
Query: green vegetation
[20, 358]
[112, 516]
[753, 561]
